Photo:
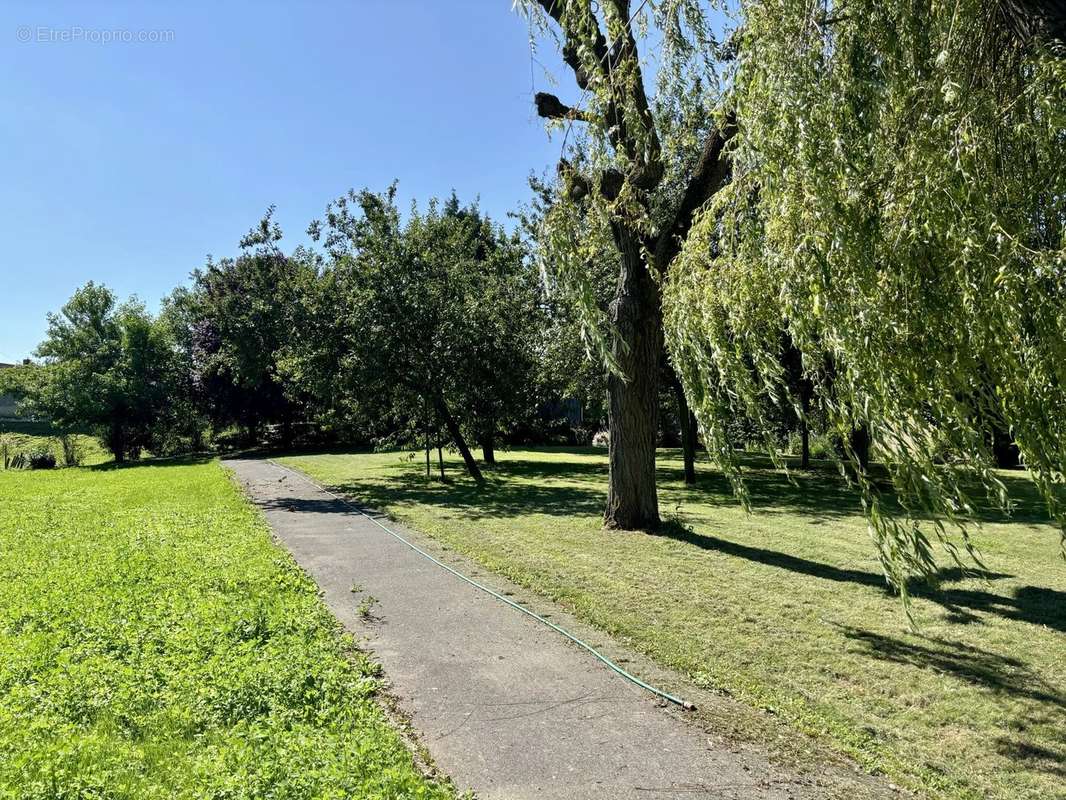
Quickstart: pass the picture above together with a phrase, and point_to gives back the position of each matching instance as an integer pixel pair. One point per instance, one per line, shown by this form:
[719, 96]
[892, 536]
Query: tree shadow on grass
[818, 497]
[513, 488]
[522, 486]
[1036, 738]
[997, 673]
[167, 461]
[473, 502]
[1034, 756]
[576, 488]
[822, 494]
[1034, 604]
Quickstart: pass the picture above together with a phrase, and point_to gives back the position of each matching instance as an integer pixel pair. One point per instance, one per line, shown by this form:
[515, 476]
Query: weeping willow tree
[896, 213]
[877, 188]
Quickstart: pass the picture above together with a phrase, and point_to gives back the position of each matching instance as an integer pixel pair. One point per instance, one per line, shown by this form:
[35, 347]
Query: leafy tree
[567, 370]
[568, 364]
[188, 422]
[107, 367]
[882, 184]
[418, 321]
[497, 374]
[17, 381]
[234, 322]
[902, 221]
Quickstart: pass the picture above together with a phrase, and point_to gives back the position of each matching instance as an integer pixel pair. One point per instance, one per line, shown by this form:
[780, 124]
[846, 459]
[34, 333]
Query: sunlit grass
[155, 643]
[785, 608]
[23, 436]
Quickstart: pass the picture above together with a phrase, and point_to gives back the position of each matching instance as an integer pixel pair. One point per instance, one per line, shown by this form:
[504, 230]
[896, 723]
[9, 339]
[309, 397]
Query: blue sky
[128, 163]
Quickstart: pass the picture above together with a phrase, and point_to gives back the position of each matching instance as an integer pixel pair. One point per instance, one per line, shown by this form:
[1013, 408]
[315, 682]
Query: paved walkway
[504, 705]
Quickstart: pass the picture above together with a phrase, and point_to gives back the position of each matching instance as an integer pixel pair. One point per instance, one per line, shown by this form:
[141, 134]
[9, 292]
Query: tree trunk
[632, 502]
[457, 437]
[116, 443]
[425, 405]
[688, 433]
[1004, 450]
[860, 445]
[805, 433]
[488, 450]
[440, 462]
[488, 444]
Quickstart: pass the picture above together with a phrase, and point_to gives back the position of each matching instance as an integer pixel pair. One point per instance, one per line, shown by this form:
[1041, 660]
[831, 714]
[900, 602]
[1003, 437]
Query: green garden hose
[628, 676]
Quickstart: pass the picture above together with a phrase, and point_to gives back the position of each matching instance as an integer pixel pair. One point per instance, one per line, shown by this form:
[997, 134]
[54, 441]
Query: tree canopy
[883, 202]
[108, 367]
[896, 207]
[419, 320]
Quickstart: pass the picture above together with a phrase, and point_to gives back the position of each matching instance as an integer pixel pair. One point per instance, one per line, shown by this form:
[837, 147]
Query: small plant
[72, 450]
[366, 608]
[601, 439]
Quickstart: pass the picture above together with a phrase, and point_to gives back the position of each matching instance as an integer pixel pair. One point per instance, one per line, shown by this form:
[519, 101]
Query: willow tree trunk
[632, 502]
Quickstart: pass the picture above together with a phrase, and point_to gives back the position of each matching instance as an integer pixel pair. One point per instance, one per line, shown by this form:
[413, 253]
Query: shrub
[583, 436]
[41, 459]
[34, 459]
[601, 439]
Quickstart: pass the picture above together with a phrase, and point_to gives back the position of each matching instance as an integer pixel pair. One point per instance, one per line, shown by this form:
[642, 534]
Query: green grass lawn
[784, 609]
[23, 436]
[155, 643]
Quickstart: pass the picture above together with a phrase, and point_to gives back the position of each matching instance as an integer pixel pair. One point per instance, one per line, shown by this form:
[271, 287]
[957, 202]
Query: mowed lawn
[24, 436]
[155, 643]
[784, 609]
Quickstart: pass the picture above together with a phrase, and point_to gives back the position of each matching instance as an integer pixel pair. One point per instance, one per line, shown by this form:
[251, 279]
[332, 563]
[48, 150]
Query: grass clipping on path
[785, 608]
[155, 643]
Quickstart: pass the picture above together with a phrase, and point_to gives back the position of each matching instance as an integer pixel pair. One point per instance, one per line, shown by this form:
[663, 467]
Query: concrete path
[505, 706]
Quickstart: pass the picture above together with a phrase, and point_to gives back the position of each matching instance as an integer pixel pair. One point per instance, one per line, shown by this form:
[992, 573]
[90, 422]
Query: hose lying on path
[628, 676]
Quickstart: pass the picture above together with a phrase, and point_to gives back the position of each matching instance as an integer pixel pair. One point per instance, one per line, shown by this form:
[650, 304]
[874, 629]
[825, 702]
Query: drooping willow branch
[896, 209]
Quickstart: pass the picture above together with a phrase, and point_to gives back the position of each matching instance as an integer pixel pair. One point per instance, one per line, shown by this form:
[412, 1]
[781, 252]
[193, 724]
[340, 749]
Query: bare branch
[711, 174]
[551, 107]
[630, 124]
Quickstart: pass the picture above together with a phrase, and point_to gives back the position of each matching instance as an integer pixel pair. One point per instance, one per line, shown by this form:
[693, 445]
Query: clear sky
[128, 162]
